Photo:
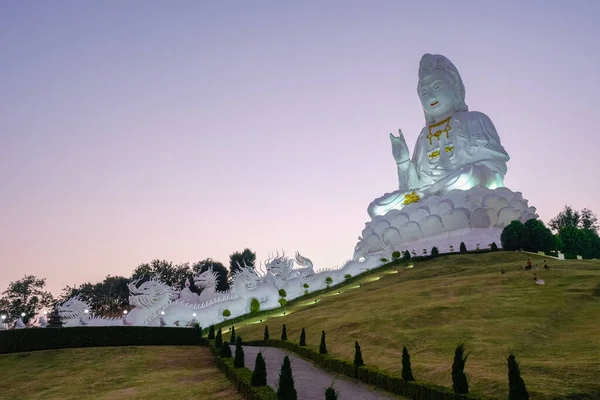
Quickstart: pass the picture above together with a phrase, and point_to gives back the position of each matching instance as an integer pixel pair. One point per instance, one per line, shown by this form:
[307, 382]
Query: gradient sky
[183, 130]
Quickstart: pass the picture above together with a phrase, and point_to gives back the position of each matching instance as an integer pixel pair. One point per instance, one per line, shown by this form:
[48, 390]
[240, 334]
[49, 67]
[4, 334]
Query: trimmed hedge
[370, 375]
[241, 378]
[32, 339]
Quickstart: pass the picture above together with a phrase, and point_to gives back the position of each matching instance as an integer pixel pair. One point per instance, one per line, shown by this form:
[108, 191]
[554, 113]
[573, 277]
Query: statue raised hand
[399, 148]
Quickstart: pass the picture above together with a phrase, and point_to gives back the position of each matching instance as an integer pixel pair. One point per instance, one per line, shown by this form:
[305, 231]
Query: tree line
[575, 233]
[111, 295]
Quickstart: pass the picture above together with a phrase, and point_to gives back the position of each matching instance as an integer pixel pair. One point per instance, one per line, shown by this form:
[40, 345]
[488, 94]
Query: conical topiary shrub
[463, 248]
[238, 360]
[259, 375]
[225, 351]
[303, 338]
[211, 332]
[460, 383]
[232, 339]
[283, 333]
[331, 393]
[266, 336]
[285, 389]
[358, 360]
[494, 247]
[323, 345]
[516, 384]
[219, 338]
[407, 374]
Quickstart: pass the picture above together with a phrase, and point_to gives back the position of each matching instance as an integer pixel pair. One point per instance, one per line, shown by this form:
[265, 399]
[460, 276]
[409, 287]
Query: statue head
[440, 87]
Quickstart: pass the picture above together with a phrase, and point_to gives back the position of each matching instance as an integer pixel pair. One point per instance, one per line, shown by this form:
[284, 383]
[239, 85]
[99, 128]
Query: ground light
[124, 312]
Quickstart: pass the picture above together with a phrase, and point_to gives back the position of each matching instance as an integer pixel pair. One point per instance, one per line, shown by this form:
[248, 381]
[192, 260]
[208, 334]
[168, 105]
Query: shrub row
[21, 340]
[241, 378]
[370, 375]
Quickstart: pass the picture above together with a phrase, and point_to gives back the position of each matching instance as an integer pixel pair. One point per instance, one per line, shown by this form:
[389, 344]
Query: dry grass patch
[553, 329]
[148, 372]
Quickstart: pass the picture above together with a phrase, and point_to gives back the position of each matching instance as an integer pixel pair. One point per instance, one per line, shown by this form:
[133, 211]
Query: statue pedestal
[475, 216]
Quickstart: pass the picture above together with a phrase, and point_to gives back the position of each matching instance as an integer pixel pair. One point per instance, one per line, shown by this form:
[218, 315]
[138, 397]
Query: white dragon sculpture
[76, 312]
[157, 304]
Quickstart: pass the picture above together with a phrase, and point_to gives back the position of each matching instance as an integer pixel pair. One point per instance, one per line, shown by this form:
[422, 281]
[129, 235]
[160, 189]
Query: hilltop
[429, 308]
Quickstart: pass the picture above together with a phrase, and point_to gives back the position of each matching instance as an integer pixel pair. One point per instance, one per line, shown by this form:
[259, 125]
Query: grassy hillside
[553, 329]
[114, 373]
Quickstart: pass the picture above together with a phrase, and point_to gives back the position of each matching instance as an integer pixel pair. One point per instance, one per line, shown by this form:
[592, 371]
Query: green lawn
[152, 372]
[554, 329]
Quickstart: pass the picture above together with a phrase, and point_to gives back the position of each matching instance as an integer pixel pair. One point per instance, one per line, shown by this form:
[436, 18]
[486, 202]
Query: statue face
[437, 94]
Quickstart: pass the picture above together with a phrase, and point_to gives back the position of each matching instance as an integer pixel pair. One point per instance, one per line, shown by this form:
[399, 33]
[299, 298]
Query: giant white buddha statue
[457, 148]
[452, 188]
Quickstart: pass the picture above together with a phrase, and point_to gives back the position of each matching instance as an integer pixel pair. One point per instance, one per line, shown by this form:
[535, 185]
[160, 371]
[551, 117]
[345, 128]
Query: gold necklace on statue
[445, 128]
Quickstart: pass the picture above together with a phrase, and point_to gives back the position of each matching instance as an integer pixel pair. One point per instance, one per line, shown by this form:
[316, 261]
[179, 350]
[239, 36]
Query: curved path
[310, 381]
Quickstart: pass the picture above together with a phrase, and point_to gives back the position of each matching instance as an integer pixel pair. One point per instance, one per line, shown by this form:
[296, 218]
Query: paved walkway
[310, 382]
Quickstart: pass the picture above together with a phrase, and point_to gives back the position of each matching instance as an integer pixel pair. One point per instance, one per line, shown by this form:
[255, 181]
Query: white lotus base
[476, 217]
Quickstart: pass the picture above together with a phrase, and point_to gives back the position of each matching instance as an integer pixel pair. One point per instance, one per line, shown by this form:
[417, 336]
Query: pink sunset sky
[183, 130]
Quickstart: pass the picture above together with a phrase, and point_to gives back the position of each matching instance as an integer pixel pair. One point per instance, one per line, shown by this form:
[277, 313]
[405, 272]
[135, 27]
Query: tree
[463, 248]
[536, 237]
[285, 389]
[358, 360]
[27, 296]
[567, 217]
[323, 345]
[211, 332]
[236, 259]
[512, 236]
[406, 255]
[303, 338]
[259, 375]
[435, 252]
[232, 339]
[460, 383]
[516, 384]
[589, 220]
[407, 374]
[494, 247]
[105, 298]
[225, 351]
[572, 239]
[219, 338]
[238, 360]
[283, 333]
[203, 266]
[266, 335]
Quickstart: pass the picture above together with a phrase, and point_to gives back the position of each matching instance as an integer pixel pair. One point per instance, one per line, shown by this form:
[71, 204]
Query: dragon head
[207, 279]
[149, 294]
[72, 308]
[279, 265]
[250, 276]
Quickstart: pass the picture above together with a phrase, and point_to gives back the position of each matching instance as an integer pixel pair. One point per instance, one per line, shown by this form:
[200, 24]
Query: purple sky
[183, 130]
